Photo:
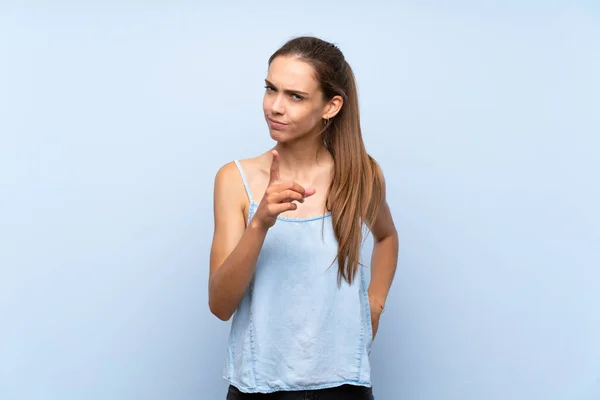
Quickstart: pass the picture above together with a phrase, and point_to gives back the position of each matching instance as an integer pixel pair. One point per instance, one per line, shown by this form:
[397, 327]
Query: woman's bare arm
[234, 249]
[383, 260]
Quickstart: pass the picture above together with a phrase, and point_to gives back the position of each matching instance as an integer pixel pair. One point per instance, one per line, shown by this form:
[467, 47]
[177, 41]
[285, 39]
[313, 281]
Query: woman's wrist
[378, 305]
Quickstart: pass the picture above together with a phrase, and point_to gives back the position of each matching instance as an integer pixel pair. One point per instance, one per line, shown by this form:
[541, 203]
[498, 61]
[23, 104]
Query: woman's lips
[275, 124]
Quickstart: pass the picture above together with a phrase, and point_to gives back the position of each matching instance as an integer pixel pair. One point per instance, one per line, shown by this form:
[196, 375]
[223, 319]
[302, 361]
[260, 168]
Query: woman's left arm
[383, 260]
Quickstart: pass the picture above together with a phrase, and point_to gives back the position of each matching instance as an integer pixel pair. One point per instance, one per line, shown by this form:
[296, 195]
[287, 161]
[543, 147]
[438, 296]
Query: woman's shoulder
[251, 167]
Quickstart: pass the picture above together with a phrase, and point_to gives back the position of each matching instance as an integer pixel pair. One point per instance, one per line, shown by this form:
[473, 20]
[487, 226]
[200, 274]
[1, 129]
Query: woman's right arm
[235, 249]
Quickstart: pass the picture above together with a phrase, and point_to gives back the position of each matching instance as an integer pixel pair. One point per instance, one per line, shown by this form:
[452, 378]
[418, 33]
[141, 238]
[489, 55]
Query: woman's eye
[294, 96]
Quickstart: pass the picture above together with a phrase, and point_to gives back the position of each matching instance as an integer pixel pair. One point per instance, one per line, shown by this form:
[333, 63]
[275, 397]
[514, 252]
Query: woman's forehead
[291, 73]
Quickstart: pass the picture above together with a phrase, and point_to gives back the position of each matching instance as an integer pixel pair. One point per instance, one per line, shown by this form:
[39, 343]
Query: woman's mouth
[275, 124]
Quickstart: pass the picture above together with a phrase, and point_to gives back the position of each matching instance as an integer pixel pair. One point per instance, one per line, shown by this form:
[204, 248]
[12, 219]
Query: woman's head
[311, 91]
[305, 88]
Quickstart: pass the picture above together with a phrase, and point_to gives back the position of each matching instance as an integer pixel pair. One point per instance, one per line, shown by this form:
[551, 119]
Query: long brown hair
[356, 189]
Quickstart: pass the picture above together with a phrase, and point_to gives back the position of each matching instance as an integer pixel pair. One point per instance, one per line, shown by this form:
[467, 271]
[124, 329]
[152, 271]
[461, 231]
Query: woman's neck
[302, 159]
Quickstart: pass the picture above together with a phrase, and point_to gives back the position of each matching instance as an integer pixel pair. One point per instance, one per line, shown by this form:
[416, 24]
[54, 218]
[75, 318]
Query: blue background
[115, 116]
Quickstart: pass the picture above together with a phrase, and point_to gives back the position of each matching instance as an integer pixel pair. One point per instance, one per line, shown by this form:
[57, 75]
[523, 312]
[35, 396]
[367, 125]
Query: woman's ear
[333, 107]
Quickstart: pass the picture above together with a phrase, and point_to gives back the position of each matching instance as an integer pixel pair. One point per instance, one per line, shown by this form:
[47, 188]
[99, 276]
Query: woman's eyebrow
[288, 91]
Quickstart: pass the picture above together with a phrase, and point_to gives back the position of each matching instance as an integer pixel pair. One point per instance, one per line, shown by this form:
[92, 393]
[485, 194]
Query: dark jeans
[344, 392]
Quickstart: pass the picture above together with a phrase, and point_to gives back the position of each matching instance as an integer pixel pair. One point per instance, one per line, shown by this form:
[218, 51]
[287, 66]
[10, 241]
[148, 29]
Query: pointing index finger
[274, 175]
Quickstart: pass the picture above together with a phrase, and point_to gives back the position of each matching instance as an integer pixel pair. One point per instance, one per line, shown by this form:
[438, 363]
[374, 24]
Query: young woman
[289, 226]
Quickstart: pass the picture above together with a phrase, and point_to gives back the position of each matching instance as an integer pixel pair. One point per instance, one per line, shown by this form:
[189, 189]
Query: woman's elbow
[215, 305]
[218, 311]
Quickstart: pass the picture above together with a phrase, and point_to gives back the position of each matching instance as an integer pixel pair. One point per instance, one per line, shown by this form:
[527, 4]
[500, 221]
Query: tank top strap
[245, 180]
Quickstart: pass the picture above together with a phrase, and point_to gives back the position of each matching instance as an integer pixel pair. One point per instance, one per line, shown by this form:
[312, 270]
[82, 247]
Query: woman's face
[294, 105]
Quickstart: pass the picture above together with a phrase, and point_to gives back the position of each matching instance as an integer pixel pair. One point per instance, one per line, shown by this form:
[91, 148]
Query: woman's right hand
[279, 197]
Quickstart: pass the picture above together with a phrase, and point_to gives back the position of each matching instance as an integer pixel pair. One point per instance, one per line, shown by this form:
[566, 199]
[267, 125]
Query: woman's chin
[277, 135]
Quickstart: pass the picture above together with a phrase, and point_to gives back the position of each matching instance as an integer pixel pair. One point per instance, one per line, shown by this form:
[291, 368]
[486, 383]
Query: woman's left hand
[375, 315]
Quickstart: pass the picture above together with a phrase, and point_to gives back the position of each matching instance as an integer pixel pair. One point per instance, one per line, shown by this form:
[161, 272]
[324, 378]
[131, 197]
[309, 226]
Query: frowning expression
[294, 105]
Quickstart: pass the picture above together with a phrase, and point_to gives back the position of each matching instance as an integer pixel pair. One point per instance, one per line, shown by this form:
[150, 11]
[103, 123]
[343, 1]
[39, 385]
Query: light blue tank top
[295, 329]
